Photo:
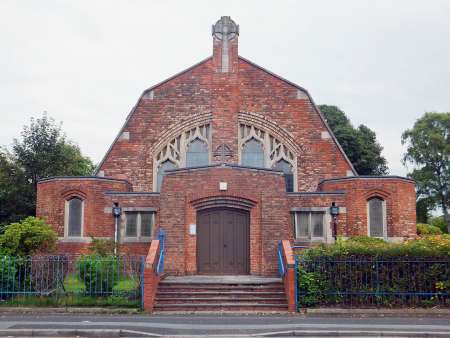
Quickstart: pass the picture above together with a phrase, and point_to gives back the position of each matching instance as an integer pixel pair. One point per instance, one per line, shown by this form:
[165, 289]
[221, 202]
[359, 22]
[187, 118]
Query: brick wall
[203, 94]
[400, 197]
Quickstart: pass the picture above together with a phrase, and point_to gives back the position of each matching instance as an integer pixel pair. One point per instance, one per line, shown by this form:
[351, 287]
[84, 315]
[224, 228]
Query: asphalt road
[229, 324]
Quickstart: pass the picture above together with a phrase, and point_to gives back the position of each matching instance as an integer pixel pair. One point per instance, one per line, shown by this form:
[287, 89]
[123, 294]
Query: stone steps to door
[215, 293]
[220, 300]
[235, 307]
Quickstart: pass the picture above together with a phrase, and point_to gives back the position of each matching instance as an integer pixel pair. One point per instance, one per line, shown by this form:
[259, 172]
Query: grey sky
[86, 62]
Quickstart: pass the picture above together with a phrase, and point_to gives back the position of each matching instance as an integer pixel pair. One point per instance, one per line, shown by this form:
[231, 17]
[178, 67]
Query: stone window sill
[137, 240]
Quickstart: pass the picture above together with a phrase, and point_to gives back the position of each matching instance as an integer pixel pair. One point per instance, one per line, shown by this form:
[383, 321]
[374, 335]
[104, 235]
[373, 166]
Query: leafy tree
[30, 236]
[360, 144]
[42, 151]
[13, 186]
[428, 149]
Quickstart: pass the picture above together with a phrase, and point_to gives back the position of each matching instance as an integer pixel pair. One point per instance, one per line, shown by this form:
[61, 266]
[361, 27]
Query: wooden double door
[223, 242]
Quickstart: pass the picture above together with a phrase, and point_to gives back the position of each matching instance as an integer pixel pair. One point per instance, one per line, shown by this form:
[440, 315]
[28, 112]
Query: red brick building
[228, 158]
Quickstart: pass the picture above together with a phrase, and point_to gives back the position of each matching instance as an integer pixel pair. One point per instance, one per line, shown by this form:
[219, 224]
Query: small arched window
[376, 217]
[166, 165]
[74, 217]
[197, 154]
[286, 168]
[253, 154]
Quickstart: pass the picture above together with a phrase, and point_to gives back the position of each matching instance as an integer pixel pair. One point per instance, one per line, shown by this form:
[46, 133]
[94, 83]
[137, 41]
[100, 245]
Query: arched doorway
[223, 241]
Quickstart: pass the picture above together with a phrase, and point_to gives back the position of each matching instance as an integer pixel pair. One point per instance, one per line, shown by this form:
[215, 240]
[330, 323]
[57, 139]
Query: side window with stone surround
[309, 226]
[73, 223]
[138, 224]
[376, 217]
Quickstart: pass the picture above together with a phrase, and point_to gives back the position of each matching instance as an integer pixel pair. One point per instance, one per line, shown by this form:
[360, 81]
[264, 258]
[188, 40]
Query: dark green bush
[363, 271]
[427, 229]
[99, 274]
[440, 223]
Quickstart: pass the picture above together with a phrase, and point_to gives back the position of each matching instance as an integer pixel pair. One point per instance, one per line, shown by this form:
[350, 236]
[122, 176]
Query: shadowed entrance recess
[223, 241]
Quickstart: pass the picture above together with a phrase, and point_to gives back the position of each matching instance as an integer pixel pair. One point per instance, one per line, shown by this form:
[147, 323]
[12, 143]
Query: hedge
[365, 271]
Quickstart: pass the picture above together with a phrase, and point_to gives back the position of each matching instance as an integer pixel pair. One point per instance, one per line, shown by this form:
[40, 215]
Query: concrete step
[219, 293]
[220, 307]
[219, 300]
[164, 287]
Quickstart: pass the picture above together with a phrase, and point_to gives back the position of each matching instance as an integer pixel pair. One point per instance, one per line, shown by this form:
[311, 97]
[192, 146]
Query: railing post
[289, 276]
[142, 280]
[151, 277]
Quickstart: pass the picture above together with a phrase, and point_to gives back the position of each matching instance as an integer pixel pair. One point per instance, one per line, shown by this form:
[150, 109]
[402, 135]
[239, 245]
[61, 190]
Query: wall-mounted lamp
[334, 211]
[117, 212]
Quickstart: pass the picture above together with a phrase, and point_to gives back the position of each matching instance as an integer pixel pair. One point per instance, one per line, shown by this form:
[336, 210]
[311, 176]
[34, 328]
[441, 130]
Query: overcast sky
[86, 62]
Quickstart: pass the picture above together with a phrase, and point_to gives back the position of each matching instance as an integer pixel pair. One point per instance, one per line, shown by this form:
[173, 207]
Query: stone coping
[364, 177]
[85, 178]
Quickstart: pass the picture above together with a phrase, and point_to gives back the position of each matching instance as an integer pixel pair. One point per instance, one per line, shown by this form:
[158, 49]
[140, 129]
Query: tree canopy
[41, 151]
[360, 144]
[428, 150]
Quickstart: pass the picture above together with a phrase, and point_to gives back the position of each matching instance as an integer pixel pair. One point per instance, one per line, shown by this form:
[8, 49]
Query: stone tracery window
[189, 149]
[253, 154]
[259, 148]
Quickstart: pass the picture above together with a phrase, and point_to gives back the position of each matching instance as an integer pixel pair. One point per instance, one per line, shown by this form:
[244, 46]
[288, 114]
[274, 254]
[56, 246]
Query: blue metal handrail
[161, 238]
[281, 266]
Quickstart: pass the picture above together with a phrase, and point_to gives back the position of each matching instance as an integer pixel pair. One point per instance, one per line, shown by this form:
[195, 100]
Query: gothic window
[166, 165]
[258, 148]
[309, 225]
[376, 217]
[197, 154]
[191, 148]
[253, 154]
[286, 168]
[74, 217]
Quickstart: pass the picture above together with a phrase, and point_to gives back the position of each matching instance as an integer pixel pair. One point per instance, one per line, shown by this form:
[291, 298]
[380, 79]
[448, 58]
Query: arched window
[197, 154]
[376, 217]
[166, 165]
[253, 154]
[286, 168]
[74, 217]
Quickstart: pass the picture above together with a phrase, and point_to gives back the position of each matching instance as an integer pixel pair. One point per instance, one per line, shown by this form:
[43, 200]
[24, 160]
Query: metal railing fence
[361, 282]
[71, 280]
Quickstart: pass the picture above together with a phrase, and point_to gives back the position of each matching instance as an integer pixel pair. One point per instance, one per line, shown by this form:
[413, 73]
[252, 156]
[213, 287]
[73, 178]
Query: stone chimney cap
[225, 27]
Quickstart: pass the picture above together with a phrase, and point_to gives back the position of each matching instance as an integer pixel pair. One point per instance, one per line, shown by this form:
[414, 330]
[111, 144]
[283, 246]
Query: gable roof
[314, 105]
[130, 114]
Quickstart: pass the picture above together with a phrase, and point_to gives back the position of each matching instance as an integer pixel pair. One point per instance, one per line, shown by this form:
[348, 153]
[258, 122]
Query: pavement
[310, 325]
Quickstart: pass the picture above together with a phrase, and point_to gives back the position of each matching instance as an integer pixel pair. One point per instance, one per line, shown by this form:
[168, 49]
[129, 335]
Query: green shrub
[440, 223]
[427, 229]
[27, 237]
[99, 274]
[102, 247]
[367, 272]
[72, 284]
[126, 286]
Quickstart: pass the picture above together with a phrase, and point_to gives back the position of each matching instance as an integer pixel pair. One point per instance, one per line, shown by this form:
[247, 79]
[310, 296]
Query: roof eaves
[97, 169]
